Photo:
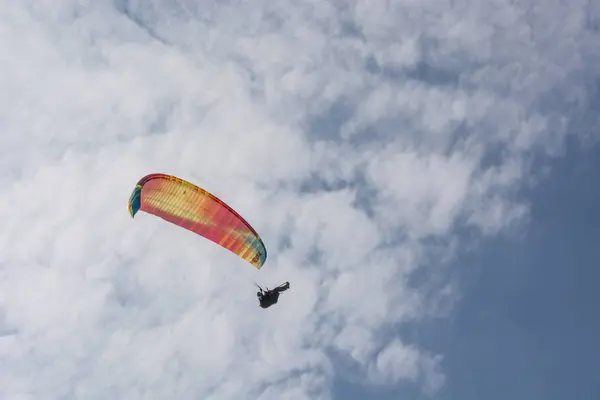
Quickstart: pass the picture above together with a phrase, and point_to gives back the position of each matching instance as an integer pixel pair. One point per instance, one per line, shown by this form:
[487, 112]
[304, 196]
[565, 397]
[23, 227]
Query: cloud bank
[359, 138]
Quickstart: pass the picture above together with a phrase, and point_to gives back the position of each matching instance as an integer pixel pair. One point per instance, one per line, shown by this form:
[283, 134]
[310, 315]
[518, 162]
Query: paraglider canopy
[190, 207]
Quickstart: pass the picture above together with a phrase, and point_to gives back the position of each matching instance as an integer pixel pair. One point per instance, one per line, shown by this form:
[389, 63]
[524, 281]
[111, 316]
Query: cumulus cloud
[357, 137]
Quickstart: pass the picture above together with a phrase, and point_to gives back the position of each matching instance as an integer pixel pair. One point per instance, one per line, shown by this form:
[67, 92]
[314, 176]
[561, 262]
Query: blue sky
[525, 325]
[423, 173]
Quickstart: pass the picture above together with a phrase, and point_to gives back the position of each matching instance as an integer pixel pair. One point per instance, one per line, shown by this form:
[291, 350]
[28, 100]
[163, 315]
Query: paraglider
[267, 298]
[193, 208]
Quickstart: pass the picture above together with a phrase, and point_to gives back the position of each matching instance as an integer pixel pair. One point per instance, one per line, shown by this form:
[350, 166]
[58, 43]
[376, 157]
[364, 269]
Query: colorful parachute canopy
[193, 208]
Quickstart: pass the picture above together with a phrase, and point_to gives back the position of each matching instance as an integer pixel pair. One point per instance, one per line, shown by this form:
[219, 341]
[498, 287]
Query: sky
[422, 173]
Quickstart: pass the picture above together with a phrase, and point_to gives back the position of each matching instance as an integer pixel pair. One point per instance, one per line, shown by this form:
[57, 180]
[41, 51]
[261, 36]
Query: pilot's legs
[282, 288]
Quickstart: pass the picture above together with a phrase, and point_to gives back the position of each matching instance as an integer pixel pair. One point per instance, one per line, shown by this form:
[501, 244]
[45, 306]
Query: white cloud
[350, 135]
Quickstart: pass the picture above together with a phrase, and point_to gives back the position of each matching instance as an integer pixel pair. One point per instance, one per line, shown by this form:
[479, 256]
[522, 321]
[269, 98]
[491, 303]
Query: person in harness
[268, 297]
